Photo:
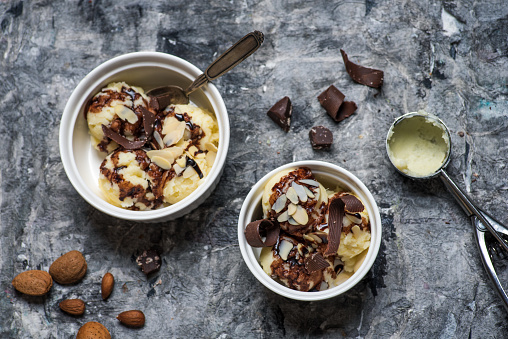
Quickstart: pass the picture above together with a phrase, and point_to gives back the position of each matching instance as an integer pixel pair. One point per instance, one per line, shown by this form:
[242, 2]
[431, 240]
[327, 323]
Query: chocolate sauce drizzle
[191, 162]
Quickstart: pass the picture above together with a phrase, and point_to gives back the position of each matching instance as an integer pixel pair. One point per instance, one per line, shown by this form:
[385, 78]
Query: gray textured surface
[449, 57]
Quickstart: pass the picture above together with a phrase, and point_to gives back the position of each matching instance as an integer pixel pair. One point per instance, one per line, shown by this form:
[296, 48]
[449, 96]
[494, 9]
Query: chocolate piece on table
[335, 216]
[281, 113]
[121, 140]
[346, 110]
[366, 76]
[315, 262]
[320, 137]
[256, 230]
[331, 100]
[352, 203]
[149, 261]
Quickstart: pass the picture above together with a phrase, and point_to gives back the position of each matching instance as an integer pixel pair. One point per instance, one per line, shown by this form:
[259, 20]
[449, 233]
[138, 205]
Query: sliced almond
[200, 156]
[353, 218]
[158, 138]
[161, 162]
[126, 114]
[170, 124]
[301, 216]
[346, 222]
[310, 194]
[210, 147]
[193, 150]
[280, 203]
[174, 135]
[316, 238]
[283, 217]
[181, 162]
[308, 238]
[302, 195]
[284, 248]
[292, 221]
[309, 182]
[210, 157]
[292, 195]
[178, 169]
[291, 209]
[357, 232]
[188, 172]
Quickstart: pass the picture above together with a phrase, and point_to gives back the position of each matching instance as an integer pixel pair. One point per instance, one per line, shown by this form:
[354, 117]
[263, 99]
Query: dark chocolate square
[331, 100]
[320, 137]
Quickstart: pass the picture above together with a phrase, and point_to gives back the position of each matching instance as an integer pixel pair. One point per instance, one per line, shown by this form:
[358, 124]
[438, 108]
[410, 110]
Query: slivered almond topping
[301, 215]
[292, 195]
[284, 248]
[161, 162]
[126, 114]
[291, 209]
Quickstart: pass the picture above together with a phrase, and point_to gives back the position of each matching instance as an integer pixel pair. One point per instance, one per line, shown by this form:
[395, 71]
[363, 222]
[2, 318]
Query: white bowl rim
[98, 75]
[254, 266]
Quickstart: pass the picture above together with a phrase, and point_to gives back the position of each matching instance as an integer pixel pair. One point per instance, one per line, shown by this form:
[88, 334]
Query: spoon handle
[229, 59]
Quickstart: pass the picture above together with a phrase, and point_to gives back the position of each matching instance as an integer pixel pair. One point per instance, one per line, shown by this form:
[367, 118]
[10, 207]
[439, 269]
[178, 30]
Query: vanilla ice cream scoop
[118, 106]
[128, 179]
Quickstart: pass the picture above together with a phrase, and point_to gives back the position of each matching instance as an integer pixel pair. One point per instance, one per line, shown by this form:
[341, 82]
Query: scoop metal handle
[228, 60]
[472, 210]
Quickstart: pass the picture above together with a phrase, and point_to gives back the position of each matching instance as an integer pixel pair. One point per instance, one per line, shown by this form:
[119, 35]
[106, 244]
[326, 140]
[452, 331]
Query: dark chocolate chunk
[320, 137]
[281, 113]
[331, 100]
[315, 262]
[335, 216]
[352, 203]
[256, 230]
[149, 261]
[121, 140]
[346, 110]
[363, 75]
[148, 121]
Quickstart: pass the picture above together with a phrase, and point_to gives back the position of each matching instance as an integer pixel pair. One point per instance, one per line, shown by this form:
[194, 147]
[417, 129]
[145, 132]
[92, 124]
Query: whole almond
[33, 282]
[108, 281]
[69, 268]
[93, 330]
[73, 306]
[133, 318]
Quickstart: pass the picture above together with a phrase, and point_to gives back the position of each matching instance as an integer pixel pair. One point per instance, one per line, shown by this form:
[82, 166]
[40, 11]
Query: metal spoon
[247, 45]
[481, 220]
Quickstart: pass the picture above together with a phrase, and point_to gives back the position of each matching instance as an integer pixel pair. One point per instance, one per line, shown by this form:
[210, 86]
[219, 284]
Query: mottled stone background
[449, 57]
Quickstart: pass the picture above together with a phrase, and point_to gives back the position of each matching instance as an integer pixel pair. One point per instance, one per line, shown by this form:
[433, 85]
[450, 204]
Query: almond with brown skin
[133, 318]
[108, 281]
[73, 306]
[33, 282]
[93, 330]
[69, 268]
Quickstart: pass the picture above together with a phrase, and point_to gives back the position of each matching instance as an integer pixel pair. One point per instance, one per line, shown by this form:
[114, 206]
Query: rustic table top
[449, 58]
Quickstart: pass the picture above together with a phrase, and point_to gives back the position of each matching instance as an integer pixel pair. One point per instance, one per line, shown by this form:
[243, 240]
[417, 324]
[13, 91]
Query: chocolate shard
[346, 110]
[148, 122]
[352, 203]
[256, 230]
[121, 140]
[331, 100]
[149, 261]
[320, 137]
[315, 262]
[366, 76]
[335, 216]
[281, 112]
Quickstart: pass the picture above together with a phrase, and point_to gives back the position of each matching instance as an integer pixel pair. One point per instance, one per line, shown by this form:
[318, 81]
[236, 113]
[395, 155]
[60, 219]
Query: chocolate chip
[363, 75]
[320, 137]
[121, 140]
[256, 230]
[149, 261]
[315, 262]
[331, 100]
[352, 203]
[281, 112]
[335, 216]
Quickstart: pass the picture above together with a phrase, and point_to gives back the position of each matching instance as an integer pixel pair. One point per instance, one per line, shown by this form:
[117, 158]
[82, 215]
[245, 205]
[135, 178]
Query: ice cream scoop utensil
[227, 61]
[480, 219]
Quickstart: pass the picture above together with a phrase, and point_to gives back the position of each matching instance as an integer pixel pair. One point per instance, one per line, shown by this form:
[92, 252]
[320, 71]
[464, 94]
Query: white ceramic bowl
[324, 172]
[147, 70]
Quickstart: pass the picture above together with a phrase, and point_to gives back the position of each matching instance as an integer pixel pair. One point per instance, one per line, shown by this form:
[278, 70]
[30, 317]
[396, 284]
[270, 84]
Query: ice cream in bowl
[134, 157]
[309, 230]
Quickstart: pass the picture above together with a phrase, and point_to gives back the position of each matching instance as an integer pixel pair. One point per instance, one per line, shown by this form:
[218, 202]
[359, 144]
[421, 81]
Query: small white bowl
[147, 70]
[323, 171]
